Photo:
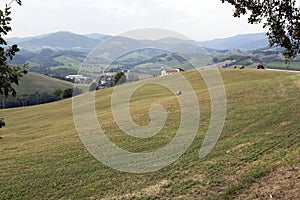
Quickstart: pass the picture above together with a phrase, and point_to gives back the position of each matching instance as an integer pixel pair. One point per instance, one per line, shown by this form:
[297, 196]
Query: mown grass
[42, 156]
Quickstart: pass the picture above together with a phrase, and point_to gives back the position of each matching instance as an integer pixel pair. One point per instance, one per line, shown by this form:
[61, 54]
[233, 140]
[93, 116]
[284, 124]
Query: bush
[58, 92]
[70, 92]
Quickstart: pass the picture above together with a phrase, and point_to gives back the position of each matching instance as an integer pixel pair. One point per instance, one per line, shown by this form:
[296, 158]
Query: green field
[33, 82]
[67, 61]
[294, 65]
[66, 67]
[257, 155]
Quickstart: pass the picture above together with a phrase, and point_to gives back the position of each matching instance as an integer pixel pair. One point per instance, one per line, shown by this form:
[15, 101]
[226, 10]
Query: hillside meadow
[256, 156]
[34, 82]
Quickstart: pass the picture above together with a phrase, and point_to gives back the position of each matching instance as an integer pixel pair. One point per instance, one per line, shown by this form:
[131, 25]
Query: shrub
[70, 92]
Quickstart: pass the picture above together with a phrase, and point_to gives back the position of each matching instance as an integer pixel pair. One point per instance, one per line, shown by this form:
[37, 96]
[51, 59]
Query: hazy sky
[197, 19]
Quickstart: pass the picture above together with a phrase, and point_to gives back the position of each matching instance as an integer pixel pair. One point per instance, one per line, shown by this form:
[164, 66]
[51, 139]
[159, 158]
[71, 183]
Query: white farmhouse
[77, 78]
[165, 72]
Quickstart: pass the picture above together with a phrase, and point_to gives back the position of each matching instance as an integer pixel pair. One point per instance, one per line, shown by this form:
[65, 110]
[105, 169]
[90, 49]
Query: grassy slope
[294, 65]
[33, 82]
[42, 157]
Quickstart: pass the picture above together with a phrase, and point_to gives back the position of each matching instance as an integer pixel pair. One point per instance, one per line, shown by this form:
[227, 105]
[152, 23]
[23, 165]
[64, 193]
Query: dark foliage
[70, 92]
[9, 75]
[37, 98]
[120, 78]
[28, 100]
[280, 18]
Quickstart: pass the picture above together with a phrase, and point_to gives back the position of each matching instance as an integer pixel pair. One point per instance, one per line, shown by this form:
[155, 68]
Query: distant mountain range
[59, 41]
[85, 43]
[244, 42]
[63, 53]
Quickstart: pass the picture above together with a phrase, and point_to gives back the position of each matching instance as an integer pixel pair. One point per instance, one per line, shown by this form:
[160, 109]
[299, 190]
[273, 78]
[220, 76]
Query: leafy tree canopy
[279, 17]
[9, 75]
[120, 78]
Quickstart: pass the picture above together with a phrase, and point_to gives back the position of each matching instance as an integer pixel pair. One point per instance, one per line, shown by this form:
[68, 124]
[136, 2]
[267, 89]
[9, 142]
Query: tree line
[38, 98]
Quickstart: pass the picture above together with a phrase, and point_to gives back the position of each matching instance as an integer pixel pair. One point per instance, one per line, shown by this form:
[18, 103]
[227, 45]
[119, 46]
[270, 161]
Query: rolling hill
[63, 53]
[33, 82]
[256, 156]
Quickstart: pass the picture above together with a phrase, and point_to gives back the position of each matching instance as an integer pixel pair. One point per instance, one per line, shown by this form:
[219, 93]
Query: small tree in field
[120, 78]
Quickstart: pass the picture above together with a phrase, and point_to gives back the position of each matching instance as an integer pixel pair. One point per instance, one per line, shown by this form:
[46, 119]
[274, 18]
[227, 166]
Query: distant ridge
[62, 41]
[95, 35]
[72, 41]
[245, 41]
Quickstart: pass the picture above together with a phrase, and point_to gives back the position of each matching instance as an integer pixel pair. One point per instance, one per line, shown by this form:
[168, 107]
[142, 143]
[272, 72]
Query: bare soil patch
[282, 183]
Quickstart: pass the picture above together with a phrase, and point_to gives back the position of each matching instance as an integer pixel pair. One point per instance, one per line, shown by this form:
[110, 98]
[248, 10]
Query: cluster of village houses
[106, 79]
[78, 79]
